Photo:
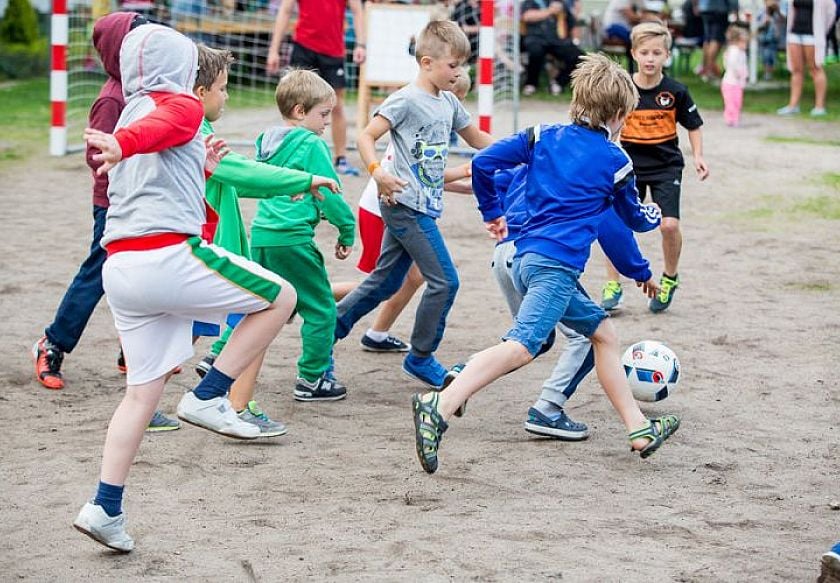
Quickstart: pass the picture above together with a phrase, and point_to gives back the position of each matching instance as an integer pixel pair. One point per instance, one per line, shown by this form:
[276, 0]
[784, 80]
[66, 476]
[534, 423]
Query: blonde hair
[648, 30]
[211, 63]
[304, 88]
[463, 84]
[442, 38]
[601, 90]
[735, 33]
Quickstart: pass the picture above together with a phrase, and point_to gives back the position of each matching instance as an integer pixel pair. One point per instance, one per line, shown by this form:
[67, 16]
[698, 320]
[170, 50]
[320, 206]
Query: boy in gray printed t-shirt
[421, 124]
[420, 118]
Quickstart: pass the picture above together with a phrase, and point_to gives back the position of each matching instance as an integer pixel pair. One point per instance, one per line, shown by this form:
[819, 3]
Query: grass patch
[824, 206]
[24, 126]
[832, 179]
[811, 286]
[801, 140]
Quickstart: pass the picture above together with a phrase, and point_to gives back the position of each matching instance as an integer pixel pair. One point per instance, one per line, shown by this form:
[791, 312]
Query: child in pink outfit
[735, 76]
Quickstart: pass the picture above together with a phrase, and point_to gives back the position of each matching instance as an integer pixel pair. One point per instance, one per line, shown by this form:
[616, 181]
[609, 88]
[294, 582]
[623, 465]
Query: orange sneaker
[48, 359]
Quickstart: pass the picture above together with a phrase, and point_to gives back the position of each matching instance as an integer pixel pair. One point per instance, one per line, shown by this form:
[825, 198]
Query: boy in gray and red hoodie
[160, 275]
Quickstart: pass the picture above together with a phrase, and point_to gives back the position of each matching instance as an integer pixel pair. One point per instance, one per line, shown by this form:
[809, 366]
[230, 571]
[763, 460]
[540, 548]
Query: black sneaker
[323, 389]
[121, 362]
[205, 364]
[390, 344]
[561, 427]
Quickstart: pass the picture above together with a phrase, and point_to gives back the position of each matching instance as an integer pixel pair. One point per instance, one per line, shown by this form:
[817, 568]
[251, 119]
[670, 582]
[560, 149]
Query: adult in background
[319, 46]
[468, 16]
[715, 15]
[541, 39]
[808, 22]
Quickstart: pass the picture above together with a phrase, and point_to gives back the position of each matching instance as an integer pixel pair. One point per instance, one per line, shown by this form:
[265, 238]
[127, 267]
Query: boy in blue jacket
[575, 174]
[547, 416]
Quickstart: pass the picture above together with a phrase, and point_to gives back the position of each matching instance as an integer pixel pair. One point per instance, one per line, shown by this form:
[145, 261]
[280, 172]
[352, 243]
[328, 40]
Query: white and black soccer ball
[652, 369]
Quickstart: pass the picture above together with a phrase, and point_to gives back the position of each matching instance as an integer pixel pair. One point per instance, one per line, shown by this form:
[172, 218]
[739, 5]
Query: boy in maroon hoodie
[85, 291]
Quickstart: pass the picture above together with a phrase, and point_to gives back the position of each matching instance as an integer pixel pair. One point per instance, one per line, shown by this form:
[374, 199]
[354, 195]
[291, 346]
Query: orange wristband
[372, 167]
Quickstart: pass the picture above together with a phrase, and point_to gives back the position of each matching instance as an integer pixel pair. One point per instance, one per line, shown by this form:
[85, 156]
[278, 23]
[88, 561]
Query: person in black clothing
[468, 16]
[541, 39]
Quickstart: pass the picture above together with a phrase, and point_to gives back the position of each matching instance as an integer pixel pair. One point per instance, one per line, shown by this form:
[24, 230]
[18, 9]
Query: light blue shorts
[552, 294]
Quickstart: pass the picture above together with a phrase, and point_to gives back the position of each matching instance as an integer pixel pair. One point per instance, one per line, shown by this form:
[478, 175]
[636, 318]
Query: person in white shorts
[160, 275]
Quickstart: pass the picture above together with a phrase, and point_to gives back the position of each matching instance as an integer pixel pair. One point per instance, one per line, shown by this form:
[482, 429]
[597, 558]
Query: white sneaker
[818, 112]
[216, 415]
[107, 530]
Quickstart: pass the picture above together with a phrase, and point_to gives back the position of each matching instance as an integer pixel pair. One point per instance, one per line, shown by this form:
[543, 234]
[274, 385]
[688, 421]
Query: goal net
[244, 27]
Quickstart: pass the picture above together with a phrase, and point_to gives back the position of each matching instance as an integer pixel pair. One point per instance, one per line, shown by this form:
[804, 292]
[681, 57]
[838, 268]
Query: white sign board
[390, 33]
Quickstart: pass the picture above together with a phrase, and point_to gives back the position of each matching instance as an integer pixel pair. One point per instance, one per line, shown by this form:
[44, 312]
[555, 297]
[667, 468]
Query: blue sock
[109, 497]
[214, 384]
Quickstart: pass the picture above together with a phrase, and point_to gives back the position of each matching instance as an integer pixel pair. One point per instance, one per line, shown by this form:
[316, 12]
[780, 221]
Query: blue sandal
[429, 428]
[656, 431]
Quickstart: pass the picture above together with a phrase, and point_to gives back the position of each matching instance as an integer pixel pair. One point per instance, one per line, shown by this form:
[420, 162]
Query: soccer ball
[652, 369]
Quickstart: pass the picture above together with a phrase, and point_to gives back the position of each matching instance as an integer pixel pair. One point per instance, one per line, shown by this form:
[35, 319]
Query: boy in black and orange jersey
[650, 138]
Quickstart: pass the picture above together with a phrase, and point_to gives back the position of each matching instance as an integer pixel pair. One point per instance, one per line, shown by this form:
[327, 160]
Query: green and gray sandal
[657, 431]
[429, 428]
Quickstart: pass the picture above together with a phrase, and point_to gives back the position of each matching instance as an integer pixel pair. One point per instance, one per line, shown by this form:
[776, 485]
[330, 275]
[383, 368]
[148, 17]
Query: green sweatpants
[303, 267]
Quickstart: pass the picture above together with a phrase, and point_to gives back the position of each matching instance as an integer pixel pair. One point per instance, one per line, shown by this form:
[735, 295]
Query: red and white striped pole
[486, 50]
[58, 78]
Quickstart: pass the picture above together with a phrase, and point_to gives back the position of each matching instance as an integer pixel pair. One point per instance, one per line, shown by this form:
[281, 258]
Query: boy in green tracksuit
[236, 176]
[283, 231]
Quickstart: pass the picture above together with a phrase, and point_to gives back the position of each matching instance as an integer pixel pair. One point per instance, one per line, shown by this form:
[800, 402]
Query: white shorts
[801, 39]
[156, 295]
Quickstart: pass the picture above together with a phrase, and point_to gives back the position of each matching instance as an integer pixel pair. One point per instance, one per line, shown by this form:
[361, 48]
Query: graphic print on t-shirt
[429, 151]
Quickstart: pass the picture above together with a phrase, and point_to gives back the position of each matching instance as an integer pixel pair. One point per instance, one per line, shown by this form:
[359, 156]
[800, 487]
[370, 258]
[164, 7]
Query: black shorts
[664, 191]
[330, 69]
[714, 26]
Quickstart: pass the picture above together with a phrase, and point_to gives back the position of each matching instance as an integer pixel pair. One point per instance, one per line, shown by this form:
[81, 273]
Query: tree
[19, 24]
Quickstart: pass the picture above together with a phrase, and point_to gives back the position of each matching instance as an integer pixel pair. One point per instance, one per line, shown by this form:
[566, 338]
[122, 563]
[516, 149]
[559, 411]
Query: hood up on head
[156, 58]
[108, 34]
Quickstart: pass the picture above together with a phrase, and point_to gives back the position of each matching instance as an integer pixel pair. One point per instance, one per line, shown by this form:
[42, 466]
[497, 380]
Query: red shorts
[371, 230]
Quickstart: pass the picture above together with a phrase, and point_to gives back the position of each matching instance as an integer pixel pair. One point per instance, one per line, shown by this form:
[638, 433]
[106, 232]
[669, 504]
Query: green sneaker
[611, 295]
[667, 289]
[161, 422]
[268, 427]
[429, 428]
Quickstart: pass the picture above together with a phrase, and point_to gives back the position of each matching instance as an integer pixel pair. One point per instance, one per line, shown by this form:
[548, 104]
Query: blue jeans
[84, 292]
[551, 294]
[409, 236]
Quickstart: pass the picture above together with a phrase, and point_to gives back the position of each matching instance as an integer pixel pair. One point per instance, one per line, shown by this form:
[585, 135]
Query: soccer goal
[242, 26]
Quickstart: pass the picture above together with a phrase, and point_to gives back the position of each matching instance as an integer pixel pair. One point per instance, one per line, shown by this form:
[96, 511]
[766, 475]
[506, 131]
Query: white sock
[376, 336]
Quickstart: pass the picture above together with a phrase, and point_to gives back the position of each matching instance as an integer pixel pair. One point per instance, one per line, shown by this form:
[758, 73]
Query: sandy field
[743, 492]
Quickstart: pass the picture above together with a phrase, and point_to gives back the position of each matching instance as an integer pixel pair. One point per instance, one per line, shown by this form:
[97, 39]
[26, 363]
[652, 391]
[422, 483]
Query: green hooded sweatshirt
[281, 222]
[237, 175]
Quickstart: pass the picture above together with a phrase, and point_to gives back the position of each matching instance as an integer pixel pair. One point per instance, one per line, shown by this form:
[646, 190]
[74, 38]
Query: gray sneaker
[94, 522]
[161, 422]
[268, 427]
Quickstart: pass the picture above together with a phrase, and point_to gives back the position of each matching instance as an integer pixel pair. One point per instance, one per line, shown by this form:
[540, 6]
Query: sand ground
[743, 492]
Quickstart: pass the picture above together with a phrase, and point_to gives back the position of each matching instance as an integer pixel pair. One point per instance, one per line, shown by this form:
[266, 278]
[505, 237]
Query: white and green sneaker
[611, 295]
[255, 416]
[667, 289]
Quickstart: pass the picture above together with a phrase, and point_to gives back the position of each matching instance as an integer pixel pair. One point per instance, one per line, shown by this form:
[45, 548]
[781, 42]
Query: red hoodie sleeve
[174, 122]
